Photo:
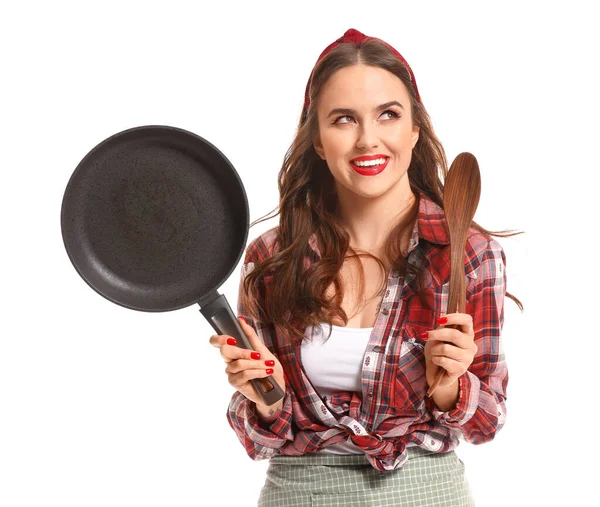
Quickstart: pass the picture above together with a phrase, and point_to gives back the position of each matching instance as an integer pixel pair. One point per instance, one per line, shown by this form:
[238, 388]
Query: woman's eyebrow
[341, 110]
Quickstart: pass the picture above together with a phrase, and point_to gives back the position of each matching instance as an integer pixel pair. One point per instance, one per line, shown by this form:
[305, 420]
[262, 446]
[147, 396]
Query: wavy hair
[308, 202]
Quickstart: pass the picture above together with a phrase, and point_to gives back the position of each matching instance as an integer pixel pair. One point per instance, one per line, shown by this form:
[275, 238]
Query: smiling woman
[363, 246]
[369, 138]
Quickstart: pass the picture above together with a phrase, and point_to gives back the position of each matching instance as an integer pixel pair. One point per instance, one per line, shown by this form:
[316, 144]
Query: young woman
[345, 304]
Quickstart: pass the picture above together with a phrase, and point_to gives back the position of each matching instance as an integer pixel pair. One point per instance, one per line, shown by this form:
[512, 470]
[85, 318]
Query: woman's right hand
[244, 365]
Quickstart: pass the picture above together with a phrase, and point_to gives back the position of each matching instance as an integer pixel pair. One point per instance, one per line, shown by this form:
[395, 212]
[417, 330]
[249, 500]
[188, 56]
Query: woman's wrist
[446, 397]
[268, 414]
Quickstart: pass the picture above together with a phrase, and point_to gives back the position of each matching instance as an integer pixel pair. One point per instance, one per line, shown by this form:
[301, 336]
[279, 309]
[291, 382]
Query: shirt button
[385, 311]
[377, 348]
[370, 394]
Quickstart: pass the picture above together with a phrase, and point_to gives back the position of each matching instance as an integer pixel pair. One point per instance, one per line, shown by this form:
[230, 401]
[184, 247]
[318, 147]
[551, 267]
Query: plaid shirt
[392, 410]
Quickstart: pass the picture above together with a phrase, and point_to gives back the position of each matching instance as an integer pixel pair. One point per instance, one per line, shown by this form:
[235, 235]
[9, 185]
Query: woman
[345, 304]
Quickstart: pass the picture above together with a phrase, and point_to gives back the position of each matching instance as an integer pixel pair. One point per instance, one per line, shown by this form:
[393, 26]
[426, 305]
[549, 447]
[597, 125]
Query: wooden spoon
[462, 189]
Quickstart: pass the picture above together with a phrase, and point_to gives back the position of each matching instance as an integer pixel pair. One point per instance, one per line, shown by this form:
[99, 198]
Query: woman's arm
[480, 409]
[261, 430]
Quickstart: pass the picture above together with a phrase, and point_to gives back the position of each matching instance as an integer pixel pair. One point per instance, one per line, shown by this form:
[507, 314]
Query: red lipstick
[369, 170]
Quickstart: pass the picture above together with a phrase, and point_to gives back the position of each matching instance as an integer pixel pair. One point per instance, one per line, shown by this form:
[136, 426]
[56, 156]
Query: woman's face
[365, 111]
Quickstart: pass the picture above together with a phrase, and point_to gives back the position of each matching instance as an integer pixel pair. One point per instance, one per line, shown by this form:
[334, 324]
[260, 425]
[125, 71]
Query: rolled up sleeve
[480, 411]
[259, 440]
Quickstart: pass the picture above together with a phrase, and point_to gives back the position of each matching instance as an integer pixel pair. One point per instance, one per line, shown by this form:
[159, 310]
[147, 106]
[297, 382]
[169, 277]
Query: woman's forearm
[446, 397]
[268, 414]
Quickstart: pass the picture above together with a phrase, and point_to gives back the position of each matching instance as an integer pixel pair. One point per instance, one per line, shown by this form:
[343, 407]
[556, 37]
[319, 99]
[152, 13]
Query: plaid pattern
[426, 479]
[392, 409]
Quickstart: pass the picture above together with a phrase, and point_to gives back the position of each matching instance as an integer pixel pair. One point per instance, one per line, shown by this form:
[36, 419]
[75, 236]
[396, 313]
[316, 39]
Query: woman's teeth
[369, 163]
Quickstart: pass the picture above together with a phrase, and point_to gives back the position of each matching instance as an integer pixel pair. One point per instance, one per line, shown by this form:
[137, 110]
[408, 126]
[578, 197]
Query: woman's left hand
[450, 349]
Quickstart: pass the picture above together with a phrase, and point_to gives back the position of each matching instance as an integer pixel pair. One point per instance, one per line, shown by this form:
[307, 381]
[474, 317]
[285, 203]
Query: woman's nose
[367, 137]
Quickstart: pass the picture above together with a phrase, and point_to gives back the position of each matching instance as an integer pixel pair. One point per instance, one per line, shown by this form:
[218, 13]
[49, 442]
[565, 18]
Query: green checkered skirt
[328, 480]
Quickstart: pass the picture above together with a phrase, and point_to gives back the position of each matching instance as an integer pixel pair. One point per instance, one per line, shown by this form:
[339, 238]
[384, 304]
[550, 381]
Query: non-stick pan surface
[154, 218]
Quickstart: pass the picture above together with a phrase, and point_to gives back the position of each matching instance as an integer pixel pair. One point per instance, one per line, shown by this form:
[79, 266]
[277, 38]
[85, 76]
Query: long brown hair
[308, 203]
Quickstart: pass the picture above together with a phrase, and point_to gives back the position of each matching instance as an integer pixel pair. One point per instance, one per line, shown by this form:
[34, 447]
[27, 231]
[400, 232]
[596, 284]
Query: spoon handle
[462, 189]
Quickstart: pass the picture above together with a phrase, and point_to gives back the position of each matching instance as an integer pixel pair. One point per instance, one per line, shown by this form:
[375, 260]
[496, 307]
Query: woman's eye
[338, 120]
[393, 114]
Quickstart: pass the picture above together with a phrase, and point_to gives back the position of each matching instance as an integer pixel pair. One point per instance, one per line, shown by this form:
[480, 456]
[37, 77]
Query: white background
[100, 405]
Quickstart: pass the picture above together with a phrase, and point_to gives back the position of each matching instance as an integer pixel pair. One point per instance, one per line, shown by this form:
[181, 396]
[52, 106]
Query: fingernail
[270, 362]
[425, 334]
[269, 371]
[231, 341]
[245, 321]
[255, 355]
[442, 320]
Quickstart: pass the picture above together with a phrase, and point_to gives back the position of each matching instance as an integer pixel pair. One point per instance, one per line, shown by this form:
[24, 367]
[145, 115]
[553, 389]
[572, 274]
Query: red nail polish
[269, 371]
[255, 355]
[231, 341]
[243, 319]
[425, 334]
[442, 320]
[270, 362]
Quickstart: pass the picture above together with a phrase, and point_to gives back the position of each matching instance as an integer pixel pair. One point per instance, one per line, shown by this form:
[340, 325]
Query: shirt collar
[430, 226]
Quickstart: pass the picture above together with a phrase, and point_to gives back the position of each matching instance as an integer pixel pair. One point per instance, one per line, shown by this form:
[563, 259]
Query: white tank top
[335, 364]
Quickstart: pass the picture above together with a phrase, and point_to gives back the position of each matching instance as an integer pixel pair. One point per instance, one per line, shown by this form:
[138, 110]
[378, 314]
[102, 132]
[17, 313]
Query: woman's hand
[244, 365]
[450, 349]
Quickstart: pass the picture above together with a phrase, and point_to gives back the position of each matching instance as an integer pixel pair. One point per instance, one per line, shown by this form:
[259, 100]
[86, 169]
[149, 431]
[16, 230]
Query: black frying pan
[155, 218]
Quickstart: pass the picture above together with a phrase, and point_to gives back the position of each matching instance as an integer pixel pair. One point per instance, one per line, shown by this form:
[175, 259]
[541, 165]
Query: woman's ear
[415, 135]
[319, 149]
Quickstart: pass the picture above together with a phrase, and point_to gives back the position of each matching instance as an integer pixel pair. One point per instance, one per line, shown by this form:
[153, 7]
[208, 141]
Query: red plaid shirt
[392, 410]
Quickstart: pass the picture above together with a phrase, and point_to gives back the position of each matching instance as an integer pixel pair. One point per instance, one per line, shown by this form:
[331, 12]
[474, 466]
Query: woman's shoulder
[481, 248]
[262, 247]
[433, 227]
[480, 243]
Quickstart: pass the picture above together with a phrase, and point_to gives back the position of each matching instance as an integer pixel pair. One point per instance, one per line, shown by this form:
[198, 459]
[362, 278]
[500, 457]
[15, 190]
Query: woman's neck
[369, 221]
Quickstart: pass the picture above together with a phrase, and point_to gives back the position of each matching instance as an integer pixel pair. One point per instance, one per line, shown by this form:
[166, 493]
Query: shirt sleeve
[261, 441]
[480, 411]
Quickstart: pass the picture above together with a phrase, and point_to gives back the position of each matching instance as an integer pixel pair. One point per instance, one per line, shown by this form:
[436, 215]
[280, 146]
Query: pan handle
[220, 316]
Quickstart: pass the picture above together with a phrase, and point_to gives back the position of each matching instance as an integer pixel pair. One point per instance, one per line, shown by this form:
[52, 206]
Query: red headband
[356, 37]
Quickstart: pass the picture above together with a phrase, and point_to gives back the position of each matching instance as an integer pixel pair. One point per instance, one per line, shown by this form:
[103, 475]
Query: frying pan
[155, 218]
